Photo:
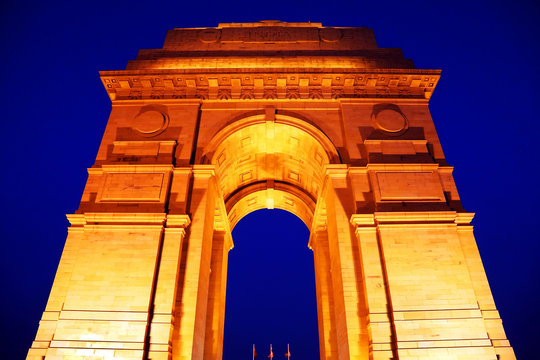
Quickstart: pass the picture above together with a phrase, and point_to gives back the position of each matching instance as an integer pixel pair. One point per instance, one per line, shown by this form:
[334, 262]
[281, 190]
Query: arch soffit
[275, 178]
[286, 119]
[265, 195]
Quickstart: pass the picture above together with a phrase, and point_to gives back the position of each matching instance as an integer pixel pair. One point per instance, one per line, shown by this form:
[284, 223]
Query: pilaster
[192, 295]
[432, 307]
[325, 294]
[49, 319]
[380, 312]
[350, 307]
[215, 317]
[162, 320]
[103, 302]
[492, 319]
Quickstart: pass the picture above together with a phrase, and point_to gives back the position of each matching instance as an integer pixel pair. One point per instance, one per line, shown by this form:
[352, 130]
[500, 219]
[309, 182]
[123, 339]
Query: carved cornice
[178, 221]
[287, 83]
[116, 218]
[171, 220]
[378, 218]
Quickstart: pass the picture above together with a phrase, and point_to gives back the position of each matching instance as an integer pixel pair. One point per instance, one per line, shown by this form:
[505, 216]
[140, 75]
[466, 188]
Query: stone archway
[222, 121]
[271, 161]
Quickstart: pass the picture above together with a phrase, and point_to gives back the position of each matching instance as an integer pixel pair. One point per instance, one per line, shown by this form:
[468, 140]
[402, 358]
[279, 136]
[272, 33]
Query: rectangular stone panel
[398, 148]
[132, 187]
[409, 186]
[270, 34]
[136, 148]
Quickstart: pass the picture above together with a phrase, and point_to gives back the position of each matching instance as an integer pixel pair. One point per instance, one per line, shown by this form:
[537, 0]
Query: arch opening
[268, 161]
[270, 288]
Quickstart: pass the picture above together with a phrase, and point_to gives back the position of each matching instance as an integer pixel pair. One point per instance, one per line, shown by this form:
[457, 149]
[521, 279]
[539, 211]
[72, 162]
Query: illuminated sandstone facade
[317, 121]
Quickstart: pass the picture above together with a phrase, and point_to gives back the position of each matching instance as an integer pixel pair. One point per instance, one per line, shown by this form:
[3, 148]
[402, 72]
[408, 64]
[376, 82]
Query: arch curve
[270, 164]
[257, 117]
[270, 195]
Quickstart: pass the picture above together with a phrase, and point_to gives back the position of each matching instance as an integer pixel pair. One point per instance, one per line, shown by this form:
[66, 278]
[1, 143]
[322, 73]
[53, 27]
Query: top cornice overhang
[269, 60]
[268, 70]
[269, 83]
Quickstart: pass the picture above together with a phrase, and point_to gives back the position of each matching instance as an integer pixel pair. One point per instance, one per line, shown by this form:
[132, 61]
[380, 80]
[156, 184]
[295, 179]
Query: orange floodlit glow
[318, 121]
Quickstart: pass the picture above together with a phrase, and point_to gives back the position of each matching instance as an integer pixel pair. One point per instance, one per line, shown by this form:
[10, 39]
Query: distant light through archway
[270, 288]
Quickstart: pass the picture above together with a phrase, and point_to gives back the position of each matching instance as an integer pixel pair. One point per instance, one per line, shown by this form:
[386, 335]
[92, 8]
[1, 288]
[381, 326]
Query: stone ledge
[411, 217]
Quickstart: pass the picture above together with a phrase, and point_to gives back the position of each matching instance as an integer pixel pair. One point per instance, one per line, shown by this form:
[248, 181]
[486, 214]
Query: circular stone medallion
[209, 35]
[330, 34]
[390, 120]
[151, 122]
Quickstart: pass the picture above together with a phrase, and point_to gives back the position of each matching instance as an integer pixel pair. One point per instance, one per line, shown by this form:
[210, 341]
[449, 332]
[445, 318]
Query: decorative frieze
[280, 84]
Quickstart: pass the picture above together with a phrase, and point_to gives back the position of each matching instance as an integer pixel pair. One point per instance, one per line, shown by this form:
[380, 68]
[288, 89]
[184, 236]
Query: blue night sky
[54, 111]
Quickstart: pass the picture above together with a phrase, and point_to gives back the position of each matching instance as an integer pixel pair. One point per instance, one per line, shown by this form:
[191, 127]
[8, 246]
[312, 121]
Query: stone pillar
[325, 294]
[49, 320]
[161, 328]
[102, 304]
[434, 308]
[192, 296]
[350, 309]
[489, 312]
[215, 316]
[380, 322]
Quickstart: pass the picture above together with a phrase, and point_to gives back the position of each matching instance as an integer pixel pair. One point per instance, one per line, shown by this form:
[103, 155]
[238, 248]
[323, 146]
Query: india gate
[318, 121]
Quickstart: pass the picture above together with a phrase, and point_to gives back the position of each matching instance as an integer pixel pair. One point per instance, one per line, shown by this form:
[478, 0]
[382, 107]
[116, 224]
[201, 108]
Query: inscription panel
[132, 187]
[402, 186]
[270, 34]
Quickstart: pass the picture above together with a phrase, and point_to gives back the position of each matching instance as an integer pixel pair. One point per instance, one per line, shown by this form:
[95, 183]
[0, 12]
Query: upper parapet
[296, 45]
[270, 35]
[270, 60]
